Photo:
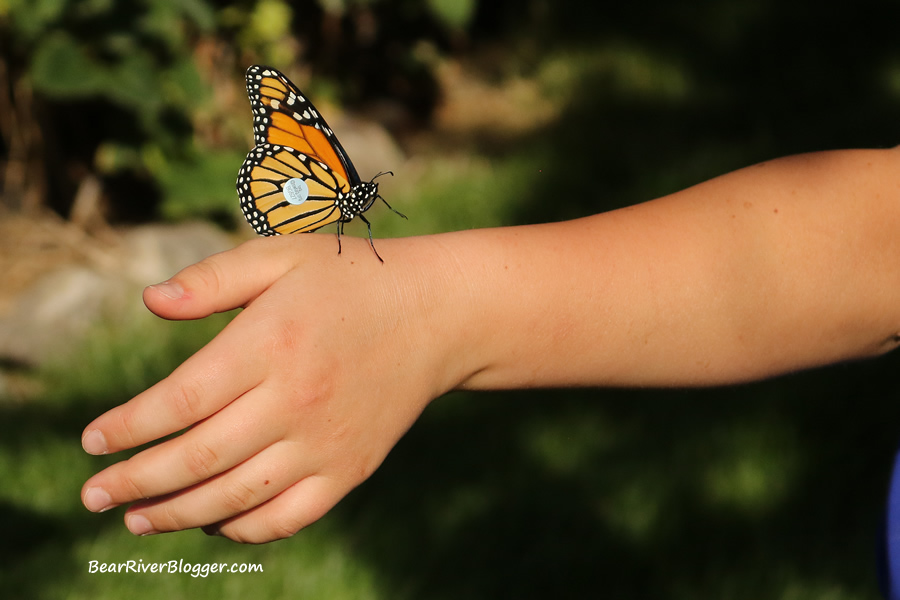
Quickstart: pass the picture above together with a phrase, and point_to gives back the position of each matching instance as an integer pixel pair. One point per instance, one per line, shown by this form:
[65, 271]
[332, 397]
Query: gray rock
[154, 253]
[370, 146]
[53, 316]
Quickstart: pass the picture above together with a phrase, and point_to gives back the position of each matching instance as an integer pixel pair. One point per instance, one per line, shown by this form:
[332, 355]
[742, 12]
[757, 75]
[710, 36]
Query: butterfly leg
[392, 208]
[371, 242]
[340, 230]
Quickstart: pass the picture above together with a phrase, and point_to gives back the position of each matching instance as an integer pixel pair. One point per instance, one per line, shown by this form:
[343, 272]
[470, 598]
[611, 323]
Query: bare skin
[781, 266]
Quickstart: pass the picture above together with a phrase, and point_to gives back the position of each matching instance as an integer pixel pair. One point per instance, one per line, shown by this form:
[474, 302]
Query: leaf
[31, 19]
[61, 68]
[455, 14]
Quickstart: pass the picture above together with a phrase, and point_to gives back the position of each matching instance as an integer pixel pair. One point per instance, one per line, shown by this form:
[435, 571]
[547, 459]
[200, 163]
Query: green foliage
[31, 20]
[125, 56]
[118, 361]
[263, 28]
[125, 67]
[771, 490]
[455, 14]
[64, 68]
[463, 192]
[61, 68]
[202, 185]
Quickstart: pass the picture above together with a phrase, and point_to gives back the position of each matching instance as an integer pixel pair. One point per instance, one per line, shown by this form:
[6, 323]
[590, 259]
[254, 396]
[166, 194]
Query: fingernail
[139, 525]
[169, 289]
[93, 442]
[96, 499]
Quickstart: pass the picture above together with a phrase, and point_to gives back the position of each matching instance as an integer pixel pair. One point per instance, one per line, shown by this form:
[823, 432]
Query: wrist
[493, 305]
[436, 309]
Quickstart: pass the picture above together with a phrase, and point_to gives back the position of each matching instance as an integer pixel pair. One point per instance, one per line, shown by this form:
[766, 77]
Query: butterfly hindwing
[261, 183]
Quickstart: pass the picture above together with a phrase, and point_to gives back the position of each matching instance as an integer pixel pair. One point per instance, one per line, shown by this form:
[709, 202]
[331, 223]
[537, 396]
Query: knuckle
[318, 380]
[283, 527]
[265, 527]
[133, 488]
[127, 429]
[201, 461]
[241, 536]
[306, 510]
[208, 273]
[237, 497]
[186, 402]
[284, 336]
[170, 519]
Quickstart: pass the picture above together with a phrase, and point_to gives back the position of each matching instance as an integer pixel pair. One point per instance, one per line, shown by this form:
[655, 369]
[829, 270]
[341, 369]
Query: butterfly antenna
[371, 242]
[391, 173]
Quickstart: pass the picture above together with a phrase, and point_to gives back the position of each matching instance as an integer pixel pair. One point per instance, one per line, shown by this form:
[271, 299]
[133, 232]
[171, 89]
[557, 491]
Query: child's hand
[293, 404]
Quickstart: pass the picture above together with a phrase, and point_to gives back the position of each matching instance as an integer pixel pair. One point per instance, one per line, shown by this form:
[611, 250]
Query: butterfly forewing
[283, 116]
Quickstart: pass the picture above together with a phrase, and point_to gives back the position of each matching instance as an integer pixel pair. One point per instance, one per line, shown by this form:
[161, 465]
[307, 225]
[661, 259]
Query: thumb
[218, 283]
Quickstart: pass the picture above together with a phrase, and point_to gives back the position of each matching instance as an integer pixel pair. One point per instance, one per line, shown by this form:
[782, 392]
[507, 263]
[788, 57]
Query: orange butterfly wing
[261, 183]
[283, 116]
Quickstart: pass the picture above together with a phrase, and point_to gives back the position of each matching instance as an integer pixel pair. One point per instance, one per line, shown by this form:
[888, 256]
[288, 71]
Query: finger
[297, 507]
[223, 281]
[236, 491]
[240, 430]
[199, 387]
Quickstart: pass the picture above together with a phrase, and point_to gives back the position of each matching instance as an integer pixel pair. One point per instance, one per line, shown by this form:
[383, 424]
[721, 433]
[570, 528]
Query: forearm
[780, 266]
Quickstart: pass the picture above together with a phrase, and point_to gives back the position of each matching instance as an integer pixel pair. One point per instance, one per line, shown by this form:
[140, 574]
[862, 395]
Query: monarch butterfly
[298, 178]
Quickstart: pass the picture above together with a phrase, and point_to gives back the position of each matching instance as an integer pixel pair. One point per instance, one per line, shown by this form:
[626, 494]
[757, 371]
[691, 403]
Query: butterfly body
[298, 177]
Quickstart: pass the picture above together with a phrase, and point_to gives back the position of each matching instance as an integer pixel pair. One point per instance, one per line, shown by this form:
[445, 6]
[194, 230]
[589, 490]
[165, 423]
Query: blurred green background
[504, 112]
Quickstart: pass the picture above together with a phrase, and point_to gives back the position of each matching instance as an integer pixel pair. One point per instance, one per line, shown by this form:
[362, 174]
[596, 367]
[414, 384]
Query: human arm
[784, 265]
[301, 397]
